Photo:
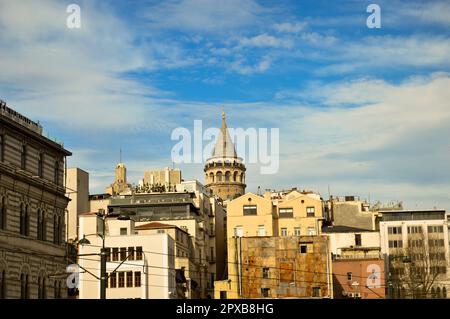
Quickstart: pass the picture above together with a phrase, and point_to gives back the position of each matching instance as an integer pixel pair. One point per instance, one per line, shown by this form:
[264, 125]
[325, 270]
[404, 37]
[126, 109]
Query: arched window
[3, 212]
[24, 219]
[227, 176]
[41, 165]
[235, 177]
[211, 177]
[433, 293]
[56, 171]
[3, 284]
[242, 177]
[23, 157]
[444, 293]
[219, 176]
[41, 231]
[41, 287]
[56, 230]
[24, 286]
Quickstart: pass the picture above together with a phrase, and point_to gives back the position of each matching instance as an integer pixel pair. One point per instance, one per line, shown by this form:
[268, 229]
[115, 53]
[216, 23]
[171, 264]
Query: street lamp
[85, 241]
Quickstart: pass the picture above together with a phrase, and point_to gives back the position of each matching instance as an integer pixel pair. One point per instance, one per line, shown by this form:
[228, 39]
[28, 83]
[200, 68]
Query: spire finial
[120, 159]
[223, 113]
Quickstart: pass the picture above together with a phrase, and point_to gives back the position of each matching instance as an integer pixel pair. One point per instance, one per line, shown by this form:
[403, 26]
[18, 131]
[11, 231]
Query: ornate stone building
[120, 184]
[224, 170]
[33, 204]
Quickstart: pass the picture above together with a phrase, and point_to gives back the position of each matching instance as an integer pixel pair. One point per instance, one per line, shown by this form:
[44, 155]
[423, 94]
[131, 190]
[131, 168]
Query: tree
[417, 266]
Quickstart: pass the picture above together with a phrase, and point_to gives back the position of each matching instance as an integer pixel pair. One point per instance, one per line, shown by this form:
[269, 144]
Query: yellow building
[291, 214]
[120, 184]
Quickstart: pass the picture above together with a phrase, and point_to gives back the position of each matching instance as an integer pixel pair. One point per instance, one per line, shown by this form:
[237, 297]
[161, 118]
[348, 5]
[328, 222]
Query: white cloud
[289, 27]
[265, 40]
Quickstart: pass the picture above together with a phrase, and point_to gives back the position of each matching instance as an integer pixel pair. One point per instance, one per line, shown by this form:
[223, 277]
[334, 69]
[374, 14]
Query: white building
[138, 265]
[416, 249]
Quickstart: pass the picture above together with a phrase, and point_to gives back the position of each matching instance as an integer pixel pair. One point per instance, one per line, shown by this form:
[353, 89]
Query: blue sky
[363, 111]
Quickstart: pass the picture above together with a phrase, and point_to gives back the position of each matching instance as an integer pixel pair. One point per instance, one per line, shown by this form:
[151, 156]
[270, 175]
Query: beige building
[140, 265]
[32, 210]
[77, 190]
[120, 184]
[166, 177]
[224, 170]
[276, 214]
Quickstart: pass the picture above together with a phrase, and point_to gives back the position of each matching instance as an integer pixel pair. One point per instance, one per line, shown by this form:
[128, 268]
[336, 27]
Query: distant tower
[120, 183]
[224, 171]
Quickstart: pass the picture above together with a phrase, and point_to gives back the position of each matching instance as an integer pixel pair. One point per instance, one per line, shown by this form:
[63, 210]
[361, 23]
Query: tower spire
[120, 158]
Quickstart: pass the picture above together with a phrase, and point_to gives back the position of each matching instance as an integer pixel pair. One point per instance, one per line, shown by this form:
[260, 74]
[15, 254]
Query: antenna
[120, 159]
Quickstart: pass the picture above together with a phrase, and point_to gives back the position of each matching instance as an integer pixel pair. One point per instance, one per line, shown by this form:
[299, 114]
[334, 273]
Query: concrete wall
[78, 192]
[349, 213]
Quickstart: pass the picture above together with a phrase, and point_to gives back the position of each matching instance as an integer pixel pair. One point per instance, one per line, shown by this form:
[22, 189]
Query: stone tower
[120, 184]
[224, 171]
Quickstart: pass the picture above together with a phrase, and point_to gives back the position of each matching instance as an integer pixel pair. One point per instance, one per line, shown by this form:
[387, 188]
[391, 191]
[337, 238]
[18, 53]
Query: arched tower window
[211, 177]
[227, 176]
[235, 177]
[242, 178]
[219, 176]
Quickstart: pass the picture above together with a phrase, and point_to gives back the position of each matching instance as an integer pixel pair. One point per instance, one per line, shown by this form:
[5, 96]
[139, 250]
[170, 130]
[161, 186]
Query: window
[56, 173]
[24, 288]
[316, 291]
[265, 292]
[414, 229]
[57, 289]
[24, 219]
[395, 244]
[3, 284]
[265, 273]
[296, 231]
[310, 211]
[23, 157]
[121, 275]
[115, 254]
[357, 239]
[286, 212]
[137, 278]
[108, 254]
[435, 229]
[123, 253]
[435, 242]
[130, 253]
[138, 253]
[349, 276]
[261, 230]
[3, 212]
[161, 231]
[129, 279]
[41, 165]
[223, 294]
[56, 230]
[284, 232]
[303, 249]
[41, 288]
[113, 280]
[2, 147]
[123, 231]
[311, 231]
[41, 231]
[238, 231]
[249, 210]
[394, 230]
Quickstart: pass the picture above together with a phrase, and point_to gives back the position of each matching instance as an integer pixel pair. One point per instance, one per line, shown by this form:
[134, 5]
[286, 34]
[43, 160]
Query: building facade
[32, 210]
[415, 244]
[224, 170]
[296, 215]
[77, 190]
[120, 184]
[138, 265]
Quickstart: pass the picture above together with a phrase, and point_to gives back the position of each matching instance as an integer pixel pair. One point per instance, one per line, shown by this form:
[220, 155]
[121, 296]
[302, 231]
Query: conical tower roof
[224, 147]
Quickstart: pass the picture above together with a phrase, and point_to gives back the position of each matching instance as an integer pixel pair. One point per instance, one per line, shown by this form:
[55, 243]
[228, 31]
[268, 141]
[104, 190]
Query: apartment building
[139, 265]
[416, 248]
[293, 214]
[32, 210]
